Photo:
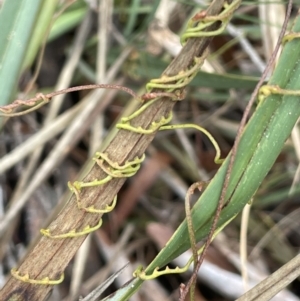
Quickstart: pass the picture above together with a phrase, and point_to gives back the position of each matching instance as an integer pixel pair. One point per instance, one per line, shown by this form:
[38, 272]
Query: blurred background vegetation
[58, 44]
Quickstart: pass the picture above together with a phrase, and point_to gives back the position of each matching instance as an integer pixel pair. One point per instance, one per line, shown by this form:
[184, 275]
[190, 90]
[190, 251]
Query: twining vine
[172, 87]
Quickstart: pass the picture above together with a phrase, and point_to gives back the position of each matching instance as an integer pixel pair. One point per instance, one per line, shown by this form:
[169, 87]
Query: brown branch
[50, 257]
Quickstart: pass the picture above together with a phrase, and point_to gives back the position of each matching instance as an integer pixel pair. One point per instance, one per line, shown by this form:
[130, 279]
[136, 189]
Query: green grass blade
[261, 143]
[125, 291]
[17, 18]
[66, 22]
[40, 30]
[133, 14]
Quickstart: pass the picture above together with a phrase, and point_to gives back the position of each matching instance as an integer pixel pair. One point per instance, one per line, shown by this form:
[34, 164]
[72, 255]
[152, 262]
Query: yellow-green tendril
[152, 129]
[290, 36]
[181, 80]
[45, 281]
[267, 90]
[217, 159]
[141, 273]
[161, 127]
[91, 209]
[113, 170]
[73, 233]
[128, 164]
[177, 95]
[78, 185]
[118, 171]
[196, 25]
[140, 110]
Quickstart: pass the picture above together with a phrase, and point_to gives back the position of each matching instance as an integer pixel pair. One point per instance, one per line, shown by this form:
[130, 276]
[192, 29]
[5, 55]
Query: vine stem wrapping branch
[49, 257]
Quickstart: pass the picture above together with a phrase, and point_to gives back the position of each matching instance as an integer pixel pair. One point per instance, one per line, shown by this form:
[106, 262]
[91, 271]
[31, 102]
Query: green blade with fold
[17, 19]
[261, 143]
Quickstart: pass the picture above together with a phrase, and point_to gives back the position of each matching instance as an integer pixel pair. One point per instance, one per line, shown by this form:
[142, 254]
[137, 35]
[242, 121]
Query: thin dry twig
[273, 284]
[189, 221]
[45, 98]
